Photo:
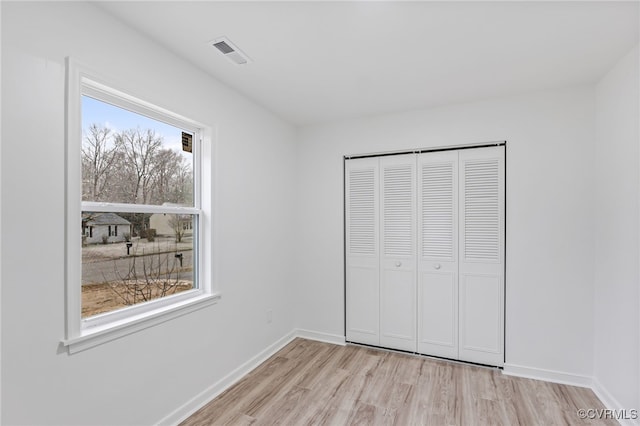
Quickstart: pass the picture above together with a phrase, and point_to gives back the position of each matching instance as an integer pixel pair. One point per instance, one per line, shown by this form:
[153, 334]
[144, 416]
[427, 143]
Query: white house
[98, 228]
[558, 81]
[168, 224]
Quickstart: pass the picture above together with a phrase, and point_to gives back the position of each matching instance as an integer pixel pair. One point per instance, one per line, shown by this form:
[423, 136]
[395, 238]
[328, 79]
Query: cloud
[111, 127]
[174, 143]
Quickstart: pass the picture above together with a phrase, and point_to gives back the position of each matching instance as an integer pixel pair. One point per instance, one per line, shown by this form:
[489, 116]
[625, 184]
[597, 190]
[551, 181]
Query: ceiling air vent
[230, 51]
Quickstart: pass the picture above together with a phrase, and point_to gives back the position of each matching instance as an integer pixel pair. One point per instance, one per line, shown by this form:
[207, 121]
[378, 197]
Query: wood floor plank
[284, 410]
[335, 411]
[320, 401]
[240, 419]
[314, 383]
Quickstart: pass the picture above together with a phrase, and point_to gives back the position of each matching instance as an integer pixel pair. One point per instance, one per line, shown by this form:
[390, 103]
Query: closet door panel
[362, 302]
[425, 253]
[362, 251]
[437, 254]
[397, 309]
[482, 255]
[398, 252]
[438, 314]
[480, 298]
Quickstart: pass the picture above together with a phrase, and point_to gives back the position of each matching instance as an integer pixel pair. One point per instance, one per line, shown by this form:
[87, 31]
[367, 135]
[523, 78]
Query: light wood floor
[309, 382]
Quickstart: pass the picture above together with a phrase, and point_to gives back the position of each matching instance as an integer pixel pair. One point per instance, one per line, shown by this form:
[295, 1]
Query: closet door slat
[481, 281]
[398, 257]
[438, 254]
[362, 251]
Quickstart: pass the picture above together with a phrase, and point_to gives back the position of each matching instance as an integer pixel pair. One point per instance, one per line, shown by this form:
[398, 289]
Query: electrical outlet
[269, 316]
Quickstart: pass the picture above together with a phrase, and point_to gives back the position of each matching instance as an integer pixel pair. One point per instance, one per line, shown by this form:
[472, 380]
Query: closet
[424, 249]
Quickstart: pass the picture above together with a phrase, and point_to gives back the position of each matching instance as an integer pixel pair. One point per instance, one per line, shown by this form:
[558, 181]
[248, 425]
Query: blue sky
[118, 119]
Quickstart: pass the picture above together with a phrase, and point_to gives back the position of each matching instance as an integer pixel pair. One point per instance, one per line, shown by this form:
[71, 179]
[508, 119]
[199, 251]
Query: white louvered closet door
[438, 254]
[481, 268]
[362, 251]
[398, 252]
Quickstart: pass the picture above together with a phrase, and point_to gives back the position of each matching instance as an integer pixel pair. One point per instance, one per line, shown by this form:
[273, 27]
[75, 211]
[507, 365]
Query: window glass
[130, 158]
[123, 270]
[134, 257]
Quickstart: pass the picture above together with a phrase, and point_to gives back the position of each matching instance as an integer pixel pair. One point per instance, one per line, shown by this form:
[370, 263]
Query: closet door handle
[398, 263]
[436, 266]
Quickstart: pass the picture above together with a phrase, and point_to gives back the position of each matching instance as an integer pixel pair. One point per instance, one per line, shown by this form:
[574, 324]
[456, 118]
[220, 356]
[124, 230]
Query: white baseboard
[575, 380]
[321, 337]
[610, 402]
[548, 375]
[197, 402]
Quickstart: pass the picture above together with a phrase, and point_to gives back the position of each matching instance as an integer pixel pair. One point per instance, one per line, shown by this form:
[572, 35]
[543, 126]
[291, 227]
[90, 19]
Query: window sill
[98, 335]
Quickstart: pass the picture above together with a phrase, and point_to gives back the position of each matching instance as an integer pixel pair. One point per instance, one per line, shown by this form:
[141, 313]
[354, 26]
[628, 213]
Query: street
[155, 265]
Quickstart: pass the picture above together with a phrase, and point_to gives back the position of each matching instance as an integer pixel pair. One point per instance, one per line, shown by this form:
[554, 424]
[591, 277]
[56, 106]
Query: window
[134, 166]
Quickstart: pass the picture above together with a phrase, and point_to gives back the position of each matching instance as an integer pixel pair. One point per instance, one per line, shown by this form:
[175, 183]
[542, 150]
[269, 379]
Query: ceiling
[314, 62]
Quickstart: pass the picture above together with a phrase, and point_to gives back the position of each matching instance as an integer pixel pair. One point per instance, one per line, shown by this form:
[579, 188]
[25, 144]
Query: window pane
[150, 257]
[133, 159]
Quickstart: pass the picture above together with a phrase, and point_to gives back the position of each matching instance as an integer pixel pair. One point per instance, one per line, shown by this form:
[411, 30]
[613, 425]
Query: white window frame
[81, 334]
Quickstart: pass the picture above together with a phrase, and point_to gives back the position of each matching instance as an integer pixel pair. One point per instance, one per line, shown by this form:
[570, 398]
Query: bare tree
[167, 164]
[182, 185]
[99, 156]
[86, 218]
[139, 148]
[159, 277]
[177, 224]
[132, 166]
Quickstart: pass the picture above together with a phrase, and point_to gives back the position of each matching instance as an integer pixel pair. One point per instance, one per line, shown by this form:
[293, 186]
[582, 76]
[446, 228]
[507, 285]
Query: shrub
[158, 276]
[127, 236]
[105, 239]
[149, 234]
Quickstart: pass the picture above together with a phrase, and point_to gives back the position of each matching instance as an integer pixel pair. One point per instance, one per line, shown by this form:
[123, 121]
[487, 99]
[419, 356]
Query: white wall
[0, 226]
[141, 378]
[549, 256]
[261, 191]
[617, 273]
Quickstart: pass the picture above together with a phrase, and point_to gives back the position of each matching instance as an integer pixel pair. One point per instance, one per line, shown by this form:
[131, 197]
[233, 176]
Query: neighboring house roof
[181, 217]
[97, 219]
[167, 216]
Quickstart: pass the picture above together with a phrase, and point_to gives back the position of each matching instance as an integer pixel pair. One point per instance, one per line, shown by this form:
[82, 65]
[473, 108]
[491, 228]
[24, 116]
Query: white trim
[115, 330]
[424, 150]
[103, 321]
[73, 137]
[83, 334]
[194, 404]
[91, 206]
[610, 402]
[1, 381]
[204, 397]
[321, 337]
[548, 375]
[90, 86]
